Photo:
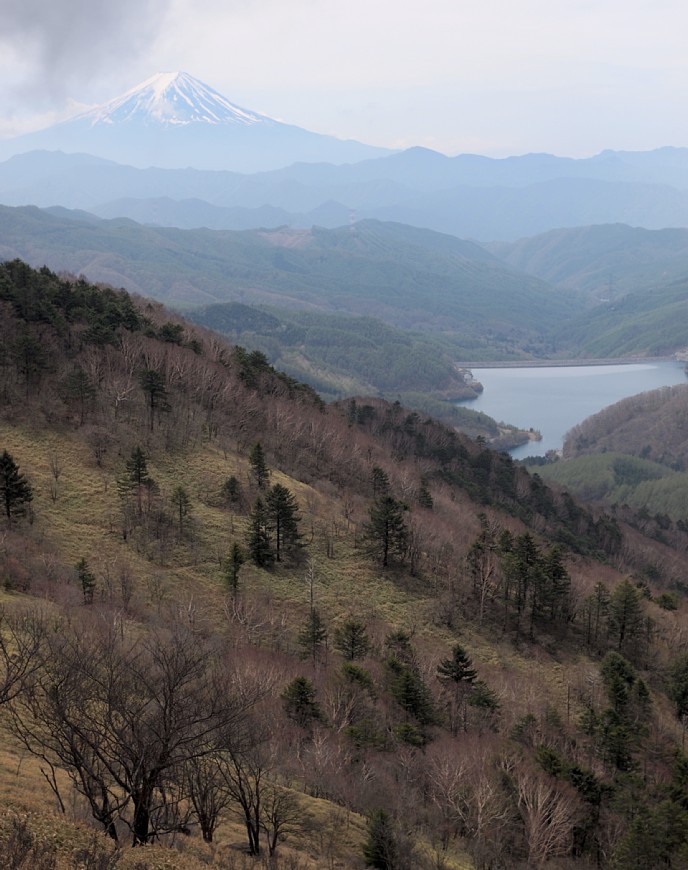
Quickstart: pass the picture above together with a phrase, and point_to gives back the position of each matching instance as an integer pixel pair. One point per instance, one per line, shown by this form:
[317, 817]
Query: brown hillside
[443, 645]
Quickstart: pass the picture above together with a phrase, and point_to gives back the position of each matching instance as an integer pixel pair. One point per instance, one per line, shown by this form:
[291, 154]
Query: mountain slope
[608, 261]
[634, 452]
[174, 120]
[483, 635]
[648, 322]
[407, 277]
[652, 425]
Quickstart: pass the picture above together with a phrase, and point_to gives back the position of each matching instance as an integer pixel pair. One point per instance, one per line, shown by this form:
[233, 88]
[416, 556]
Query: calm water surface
[554, 399]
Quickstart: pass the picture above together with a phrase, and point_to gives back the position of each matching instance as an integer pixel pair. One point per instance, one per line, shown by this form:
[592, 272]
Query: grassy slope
[531, 678]
[79, 522]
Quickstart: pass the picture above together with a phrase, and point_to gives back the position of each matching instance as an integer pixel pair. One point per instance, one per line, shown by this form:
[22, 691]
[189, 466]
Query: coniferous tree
[15, 491]
[458, 668]
[404, 679]
[233, 566]
[381, 849]
[485, 700]
[597, 613]
[282, 513]
[231, 490]
[182, 503]
[425, 496]
[79, 389]
[351, 640]
[458, 675]
[135, 477]
[625, 614]
[386, 532]
[153, 384]
[380, 481]
[313, 636]
[87, 580]
[678, 684]
[300, 702]
[30, 357]
[259, 466]
[259, 546]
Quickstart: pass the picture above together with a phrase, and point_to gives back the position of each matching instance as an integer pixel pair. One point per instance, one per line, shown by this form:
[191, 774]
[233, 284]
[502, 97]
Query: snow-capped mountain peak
[175, 121]
[173, 99]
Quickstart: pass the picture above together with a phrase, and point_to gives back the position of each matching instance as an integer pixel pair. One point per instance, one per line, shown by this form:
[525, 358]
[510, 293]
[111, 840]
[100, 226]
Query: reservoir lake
[553, 399]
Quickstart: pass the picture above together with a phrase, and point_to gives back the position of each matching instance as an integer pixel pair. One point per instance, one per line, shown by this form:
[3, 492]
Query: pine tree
[282, 513]
[87, 580]
[313, 636]
[380, 480]
[458, 668]
[153, 384]
[678, 684]
[231, 490]
[182, 503]
[259, 466]
[233, 566]
[458, 675]
[351, 640]
[259, 547]
[15, 491]
[135, 477]
[381, 849]
[424, 495]
[386, 532]
[625, 614]
[300, 702]
[78, 388]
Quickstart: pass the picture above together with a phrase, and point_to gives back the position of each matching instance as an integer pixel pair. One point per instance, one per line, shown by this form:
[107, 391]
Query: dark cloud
[64, 41]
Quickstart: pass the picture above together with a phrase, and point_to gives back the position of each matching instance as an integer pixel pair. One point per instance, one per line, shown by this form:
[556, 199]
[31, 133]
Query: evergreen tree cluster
[16, 494]
[274, 528]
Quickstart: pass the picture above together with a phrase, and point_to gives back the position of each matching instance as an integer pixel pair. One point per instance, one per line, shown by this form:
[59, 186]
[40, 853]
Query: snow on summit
[174, 99]
[174, 121]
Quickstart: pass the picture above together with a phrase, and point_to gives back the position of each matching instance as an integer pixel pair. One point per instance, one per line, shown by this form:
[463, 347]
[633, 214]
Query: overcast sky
[496, 77]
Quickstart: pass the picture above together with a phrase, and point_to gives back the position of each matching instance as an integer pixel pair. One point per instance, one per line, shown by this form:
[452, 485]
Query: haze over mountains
[502, 200]
[130, 157]
[580, 261]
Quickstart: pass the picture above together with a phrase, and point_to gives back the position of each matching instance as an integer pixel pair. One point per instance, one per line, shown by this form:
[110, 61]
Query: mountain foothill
[269, 598]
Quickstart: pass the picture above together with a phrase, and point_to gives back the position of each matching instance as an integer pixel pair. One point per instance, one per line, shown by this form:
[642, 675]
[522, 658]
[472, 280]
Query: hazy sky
[495, 77]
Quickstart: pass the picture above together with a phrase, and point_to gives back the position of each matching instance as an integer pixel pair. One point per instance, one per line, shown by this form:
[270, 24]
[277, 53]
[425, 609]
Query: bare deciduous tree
[124, 716]
[548, 812]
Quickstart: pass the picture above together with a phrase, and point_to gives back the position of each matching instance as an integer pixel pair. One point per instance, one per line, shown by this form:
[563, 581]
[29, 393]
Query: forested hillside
[651, 425]
[605, 261]
[407, 277]
[242, 628]
[634, 280]
[341, 354]
[645, 323]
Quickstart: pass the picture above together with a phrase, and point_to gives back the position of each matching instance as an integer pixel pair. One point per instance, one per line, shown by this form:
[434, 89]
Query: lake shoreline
[554, 398]
[569, 363]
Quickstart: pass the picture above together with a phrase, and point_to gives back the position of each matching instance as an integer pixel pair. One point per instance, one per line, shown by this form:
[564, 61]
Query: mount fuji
[173, 120]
